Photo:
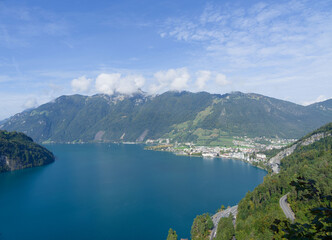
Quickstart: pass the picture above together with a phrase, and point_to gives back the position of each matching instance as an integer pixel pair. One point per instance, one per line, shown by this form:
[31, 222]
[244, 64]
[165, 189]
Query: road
[286, 209]
[216, 218]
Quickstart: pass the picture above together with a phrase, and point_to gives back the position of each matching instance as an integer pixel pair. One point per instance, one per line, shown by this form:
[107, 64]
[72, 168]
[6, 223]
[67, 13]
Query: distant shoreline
[142, 143]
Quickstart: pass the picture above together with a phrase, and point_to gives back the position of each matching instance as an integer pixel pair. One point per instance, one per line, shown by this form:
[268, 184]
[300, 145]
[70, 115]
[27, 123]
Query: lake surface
[120, 192]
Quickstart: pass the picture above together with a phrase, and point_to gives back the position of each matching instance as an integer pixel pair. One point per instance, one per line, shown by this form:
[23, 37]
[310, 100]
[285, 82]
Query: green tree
[225, 228]
[320, 226]
[306, 175]
[172, 235]
[201, 226]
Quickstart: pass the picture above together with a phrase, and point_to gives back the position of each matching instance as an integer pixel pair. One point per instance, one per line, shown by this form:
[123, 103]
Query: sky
[281, 49]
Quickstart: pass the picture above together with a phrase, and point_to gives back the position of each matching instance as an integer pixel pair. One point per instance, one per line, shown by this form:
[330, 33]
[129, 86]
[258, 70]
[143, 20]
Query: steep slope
[324, 106]
[308, 165]
[180, 116]
[274, 162]
[104, 117]
[239, 114]
[18, 151]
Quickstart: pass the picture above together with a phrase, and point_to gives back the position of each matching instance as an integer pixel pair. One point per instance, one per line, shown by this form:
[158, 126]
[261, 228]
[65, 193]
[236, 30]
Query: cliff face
[274, 162]
[3, 163]
[11, 164]
[18, 151]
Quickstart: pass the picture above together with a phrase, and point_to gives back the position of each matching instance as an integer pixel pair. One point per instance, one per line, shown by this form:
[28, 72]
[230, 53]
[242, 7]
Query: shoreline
[220, 157]
[150, 148]
[178, 153]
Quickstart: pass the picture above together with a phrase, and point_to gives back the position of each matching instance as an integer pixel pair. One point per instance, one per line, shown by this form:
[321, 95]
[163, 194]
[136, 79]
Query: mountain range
[180, 116]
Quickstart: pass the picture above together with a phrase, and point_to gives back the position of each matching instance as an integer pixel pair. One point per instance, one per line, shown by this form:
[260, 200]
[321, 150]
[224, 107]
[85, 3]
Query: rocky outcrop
[314, 138]
[10, 164]
[274, 162]
[3, 163]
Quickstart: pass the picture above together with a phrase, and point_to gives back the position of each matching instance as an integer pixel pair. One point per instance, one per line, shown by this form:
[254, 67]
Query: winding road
[216, 218]
[225, 213]
[286, 209]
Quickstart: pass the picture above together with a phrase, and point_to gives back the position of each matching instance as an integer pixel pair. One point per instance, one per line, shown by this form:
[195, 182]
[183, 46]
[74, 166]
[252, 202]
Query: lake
[120, 192]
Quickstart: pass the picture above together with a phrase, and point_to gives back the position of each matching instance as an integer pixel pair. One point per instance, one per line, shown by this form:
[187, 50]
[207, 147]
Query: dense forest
[226, 228]
[18, 151]
[307, 176]
[200, 230]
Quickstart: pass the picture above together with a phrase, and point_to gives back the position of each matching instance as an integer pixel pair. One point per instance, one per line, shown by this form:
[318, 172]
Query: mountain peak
[180, 115]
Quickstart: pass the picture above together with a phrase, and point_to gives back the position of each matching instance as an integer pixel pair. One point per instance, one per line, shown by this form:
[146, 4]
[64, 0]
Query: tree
[172, 235]
[225, 228]
[201, 226]
[320, 224]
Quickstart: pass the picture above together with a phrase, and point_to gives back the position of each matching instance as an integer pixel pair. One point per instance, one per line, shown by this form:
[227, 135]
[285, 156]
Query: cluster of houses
[244, 148]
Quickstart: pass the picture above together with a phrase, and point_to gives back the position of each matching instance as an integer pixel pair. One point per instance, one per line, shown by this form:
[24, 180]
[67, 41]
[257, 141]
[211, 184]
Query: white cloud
[221, 80]
[114, 82]
[320, 98]
[211, 14]
[107, 83]
[202, 77]
[172, 79]
[284, 39]
[12, 103]
[130, 84]
[30, 103]
[81, 84]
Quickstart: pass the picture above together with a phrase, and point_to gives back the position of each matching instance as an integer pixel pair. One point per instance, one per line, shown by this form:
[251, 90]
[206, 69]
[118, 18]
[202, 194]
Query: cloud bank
[221, 80]
[108, 83]
[174, 79]
[203, 77]
[285, 40]
[81, 84]
[320, 98]
[115, 82]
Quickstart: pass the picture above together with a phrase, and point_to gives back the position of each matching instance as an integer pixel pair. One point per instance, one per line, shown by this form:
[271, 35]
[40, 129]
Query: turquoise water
[109, 191]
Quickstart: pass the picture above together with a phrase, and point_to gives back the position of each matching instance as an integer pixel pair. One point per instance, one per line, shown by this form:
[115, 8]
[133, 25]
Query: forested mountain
[306, 175]
[18, 151]
[181, 116]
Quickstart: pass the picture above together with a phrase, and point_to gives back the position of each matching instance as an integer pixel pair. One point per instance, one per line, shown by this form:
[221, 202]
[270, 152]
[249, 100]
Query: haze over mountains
[181, 116]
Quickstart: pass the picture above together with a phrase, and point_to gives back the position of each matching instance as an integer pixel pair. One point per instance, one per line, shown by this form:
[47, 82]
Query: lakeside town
[251, 150]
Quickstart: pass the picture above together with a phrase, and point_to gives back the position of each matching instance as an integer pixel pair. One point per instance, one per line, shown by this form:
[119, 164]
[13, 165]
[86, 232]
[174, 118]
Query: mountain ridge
[179, 116]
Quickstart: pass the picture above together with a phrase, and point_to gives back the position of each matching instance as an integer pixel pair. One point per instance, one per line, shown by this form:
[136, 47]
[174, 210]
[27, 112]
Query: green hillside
[181, 116]
[307, 175]
[18, 151]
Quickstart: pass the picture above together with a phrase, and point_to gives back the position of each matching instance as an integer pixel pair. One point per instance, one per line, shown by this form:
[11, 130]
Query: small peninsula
[18, 151]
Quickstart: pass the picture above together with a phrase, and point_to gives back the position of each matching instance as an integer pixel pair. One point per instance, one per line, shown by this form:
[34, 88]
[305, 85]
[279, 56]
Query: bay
[120, 192]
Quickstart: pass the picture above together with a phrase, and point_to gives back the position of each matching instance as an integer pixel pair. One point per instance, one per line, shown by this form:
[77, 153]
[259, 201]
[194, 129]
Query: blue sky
[281, 49]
